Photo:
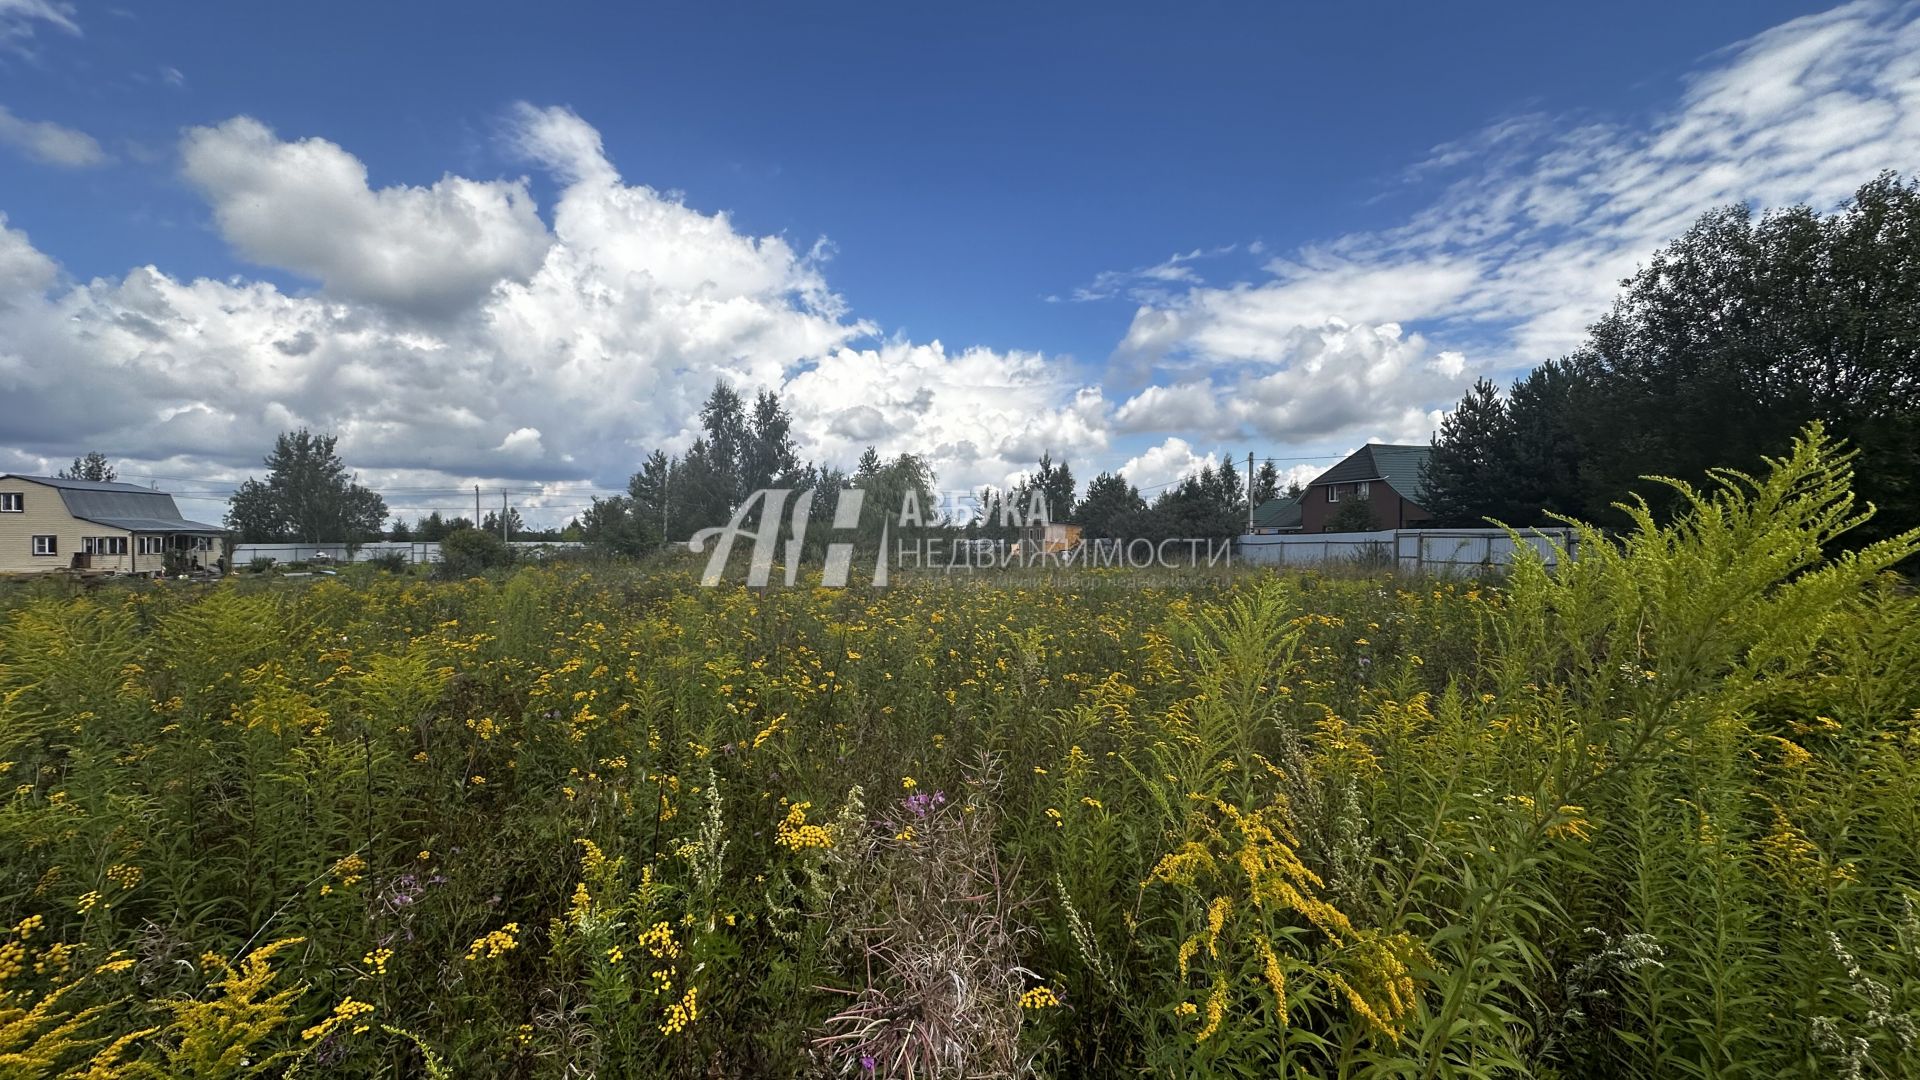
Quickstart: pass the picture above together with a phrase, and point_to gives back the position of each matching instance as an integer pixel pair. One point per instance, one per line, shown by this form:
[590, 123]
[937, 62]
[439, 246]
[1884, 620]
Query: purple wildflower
[923, 804]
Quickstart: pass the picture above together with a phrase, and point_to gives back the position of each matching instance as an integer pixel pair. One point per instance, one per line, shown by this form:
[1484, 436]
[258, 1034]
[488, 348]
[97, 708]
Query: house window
[1333, 492]
[46, 545]
[106, 545]
[153, 545]
[1361, 489]
[12, 502]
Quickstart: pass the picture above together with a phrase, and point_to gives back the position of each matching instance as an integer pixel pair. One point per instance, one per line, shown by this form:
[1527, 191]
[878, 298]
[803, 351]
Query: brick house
[1385, 477]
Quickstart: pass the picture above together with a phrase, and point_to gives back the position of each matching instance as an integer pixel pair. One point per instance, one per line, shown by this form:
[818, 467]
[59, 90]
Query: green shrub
[467, 552]
[395, 562]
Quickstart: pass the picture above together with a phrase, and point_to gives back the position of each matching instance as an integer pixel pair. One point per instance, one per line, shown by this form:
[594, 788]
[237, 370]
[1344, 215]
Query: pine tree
[1466, 472]
[94, 466]
[1110, 507]
[1266, 483]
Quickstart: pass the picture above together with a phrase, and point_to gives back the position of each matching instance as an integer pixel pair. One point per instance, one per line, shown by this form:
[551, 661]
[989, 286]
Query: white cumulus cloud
[1308, 383]
[1161, 466]
[453, 337]
[306, 206]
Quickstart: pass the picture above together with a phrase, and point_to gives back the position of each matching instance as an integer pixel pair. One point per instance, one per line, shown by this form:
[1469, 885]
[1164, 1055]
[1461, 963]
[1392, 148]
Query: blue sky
[495, 246]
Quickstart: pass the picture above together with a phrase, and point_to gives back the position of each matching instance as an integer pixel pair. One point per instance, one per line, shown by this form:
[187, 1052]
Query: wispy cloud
[1534, 220]
[1146, 283]
[1555, 213]
[50, 143]
[20, 19]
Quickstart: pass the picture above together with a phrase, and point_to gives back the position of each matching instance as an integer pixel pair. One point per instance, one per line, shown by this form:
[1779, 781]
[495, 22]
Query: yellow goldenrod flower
[347, 1012]
[495, 943]
[1217, 913]
[658, 940]
[795, 834]
[1040, 997]
[1187, 949]
[682, 1013]
[1216, 1009]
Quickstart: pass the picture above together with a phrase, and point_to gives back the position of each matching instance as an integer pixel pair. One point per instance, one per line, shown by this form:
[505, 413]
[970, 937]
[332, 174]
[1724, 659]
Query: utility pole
[476, 506]
[1249, 491]
[503, 515]
[666, 486]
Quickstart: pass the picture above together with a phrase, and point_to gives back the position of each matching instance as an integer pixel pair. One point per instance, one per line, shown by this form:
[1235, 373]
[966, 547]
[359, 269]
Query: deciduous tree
[308, 496]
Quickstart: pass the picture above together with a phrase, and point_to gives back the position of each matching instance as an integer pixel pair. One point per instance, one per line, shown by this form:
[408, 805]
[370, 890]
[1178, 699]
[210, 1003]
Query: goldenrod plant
[1653, 810]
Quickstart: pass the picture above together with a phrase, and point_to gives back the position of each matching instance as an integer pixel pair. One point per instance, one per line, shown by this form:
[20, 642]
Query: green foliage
[1053, 481]
[94, 466]
[393, 562]
[466, 552]
[743, 449]
[1207, 505]
[616, 525]
[308, 496]
[1652, 814]
[1728, 341]
[515, 527]
[889, 485]
[1354, 515]
[1265, 485]
[1110, 504]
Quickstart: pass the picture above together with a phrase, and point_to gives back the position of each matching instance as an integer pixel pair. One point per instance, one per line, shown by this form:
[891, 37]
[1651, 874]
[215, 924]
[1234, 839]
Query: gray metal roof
[65, 484]
[121, 506]
[1400, 466]
[1280, 513]
[155, 525]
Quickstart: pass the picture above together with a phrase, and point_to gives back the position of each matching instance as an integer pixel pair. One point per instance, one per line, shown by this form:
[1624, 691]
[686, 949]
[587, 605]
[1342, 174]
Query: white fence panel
[416, 551]
[1469, 551]
[1315, 548]
[1412, 551]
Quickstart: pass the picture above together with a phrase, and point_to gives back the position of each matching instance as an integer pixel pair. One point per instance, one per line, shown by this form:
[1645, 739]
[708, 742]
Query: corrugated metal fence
[418, 551]
[1446, 552]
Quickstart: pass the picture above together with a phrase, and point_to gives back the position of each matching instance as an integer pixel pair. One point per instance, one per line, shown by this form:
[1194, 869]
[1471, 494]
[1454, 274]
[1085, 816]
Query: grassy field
[1655, 816]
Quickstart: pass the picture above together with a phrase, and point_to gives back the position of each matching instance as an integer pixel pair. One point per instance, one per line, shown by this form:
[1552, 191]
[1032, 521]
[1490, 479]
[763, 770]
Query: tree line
[309, 495]
[743, 448]
[1714, 355]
